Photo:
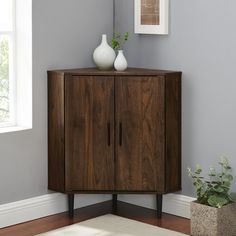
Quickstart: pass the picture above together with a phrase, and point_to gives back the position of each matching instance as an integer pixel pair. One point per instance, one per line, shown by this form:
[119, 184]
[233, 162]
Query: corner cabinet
[114, 132]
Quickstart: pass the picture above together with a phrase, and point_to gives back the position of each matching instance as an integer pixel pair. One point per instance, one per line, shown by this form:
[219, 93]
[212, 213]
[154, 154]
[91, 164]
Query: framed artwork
[151, 16]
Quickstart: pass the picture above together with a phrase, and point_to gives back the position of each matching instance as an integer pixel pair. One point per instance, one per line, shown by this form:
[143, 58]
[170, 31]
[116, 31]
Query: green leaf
[215, 191]
[227, 178]
[115, 43]
[197, 172]
[126, 36]
[218, 189]
[118, 41]
[212, 175]
[117, 34]
[217, 201]
[232, 197]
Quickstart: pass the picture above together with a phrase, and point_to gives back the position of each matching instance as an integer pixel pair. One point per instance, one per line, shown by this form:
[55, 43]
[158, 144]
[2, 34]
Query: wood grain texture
[173, 132]
[128, 72]
[56, 149]
[138, 213]
[89, 109]
[140, 110]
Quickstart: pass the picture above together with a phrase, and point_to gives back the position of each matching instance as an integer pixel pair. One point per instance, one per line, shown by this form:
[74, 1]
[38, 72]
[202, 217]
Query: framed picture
[151, 16]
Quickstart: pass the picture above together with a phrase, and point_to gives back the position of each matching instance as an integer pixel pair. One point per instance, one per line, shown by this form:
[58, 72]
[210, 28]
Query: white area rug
[108, 225]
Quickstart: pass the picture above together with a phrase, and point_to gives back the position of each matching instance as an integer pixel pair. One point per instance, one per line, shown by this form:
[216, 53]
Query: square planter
[210, 221]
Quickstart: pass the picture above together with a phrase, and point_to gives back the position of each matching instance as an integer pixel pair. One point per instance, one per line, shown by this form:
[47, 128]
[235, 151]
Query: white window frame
[21, 71]
[12, 79]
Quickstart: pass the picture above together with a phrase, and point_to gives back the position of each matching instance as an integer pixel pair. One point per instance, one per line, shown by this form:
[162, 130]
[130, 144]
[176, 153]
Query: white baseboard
[38, 207]
[174, 204]
[50, 204]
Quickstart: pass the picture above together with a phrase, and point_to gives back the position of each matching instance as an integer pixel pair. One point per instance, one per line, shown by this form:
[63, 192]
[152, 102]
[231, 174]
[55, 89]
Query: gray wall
[201, 43]
[65, 33]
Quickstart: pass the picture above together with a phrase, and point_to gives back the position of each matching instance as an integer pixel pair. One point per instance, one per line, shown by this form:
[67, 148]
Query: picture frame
[151, 16]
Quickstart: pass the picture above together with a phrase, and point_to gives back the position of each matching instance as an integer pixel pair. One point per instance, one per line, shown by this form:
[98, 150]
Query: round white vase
[120, 63]
[104, 56]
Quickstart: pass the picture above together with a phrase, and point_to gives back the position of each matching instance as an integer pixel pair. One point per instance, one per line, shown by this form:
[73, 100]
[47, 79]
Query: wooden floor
[126, 210]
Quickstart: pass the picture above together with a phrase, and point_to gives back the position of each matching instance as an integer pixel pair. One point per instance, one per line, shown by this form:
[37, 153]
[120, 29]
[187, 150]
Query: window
[15, 64]
[7, 42]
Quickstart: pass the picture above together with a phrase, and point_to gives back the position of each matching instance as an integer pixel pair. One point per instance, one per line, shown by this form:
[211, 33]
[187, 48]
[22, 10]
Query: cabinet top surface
[129, 71]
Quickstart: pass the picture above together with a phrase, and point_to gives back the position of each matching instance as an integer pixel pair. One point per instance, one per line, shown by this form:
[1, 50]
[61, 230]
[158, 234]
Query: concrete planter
[210, 221]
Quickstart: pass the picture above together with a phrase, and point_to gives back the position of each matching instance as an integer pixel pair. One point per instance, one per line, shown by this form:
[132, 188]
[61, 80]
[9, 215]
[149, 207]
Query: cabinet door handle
[120, 134]
[108, 134]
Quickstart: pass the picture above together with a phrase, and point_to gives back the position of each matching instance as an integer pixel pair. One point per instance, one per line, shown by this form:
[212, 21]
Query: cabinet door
[89, 133]
[140, 133]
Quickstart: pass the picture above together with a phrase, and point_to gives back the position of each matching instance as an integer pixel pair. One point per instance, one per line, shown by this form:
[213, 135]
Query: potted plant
[117, 42]
[214, 211]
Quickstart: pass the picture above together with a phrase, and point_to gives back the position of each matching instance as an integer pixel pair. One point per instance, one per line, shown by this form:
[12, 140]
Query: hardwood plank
[140, 111]
[56, 148]
[145, 215]
[148, 216]
[89, 116]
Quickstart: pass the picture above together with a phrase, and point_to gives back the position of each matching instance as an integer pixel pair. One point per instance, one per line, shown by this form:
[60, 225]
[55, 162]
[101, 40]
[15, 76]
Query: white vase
[104, 56]
[120, 62]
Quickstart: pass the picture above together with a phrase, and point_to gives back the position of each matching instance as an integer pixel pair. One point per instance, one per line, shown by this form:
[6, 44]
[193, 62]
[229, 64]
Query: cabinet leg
[114, 203]
[159, 205]
[71, 205]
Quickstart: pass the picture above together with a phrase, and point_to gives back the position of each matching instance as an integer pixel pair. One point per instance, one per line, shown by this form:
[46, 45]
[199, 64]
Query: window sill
[13, 129]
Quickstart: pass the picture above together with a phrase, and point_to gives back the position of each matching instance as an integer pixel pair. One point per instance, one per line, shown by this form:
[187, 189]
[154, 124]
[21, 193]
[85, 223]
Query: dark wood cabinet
[140, 113]
[114, 132]
[89, 134]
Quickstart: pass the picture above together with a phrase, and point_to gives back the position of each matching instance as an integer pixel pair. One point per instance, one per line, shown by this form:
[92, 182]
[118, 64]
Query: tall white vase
[104, 56]
[120, 62]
